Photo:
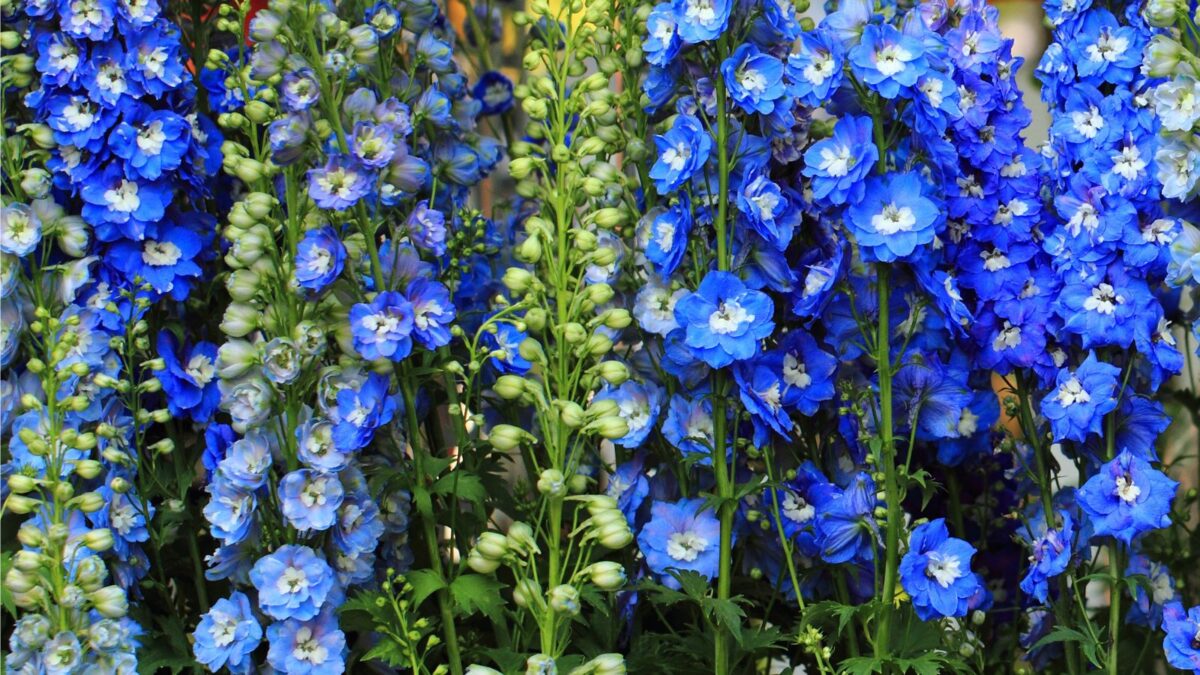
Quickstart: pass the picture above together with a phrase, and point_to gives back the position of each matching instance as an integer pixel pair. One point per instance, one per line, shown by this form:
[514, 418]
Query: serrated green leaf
[388, 652]
[861, 665]
[465, 486]
[424, 583]
[477, 593]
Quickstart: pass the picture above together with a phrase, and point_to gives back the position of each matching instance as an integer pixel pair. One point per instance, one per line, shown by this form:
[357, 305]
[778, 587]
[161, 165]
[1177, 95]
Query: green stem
[449, 630]
[721, 468]
[887, 458]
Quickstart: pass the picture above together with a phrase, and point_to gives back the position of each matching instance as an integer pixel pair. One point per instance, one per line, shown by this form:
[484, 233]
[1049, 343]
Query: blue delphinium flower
[682, 535]
[936, 572]
[667, 239]
[230, 510]
[1081, 398]
[662, 36]
[293, 582]
[701, 20]
[689, 427]
[754, 79]
[505, 344]
[383, 328]
[682, 152]
[495, 91]
[724, 319]
[320, 257]
[1181, 629]
[361, 411]
[166, 260]
[309, 499]
[837, 165]
[338, 185]
[1052, 550]
[887, 60]
[227, 634]
[315, 446]
[432, 312]
[312, 646]
[189, 380]
[768, 209]
[1126, 497]
[814, 68]
[894, 218]
[247, 461]
[1149, 600]
[845, 527]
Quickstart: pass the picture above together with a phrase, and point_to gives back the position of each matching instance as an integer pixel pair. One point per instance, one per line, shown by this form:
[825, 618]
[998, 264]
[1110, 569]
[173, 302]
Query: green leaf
[477, 593]
[727, 614]
[424, 583]
[862, 665]
[6, 596]
[1061, 634]
[389, 652]
[465, 486]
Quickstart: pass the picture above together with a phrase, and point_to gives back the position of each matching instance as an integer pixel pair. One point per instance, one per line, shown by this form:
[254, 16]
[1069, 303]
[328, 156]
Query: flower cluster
[727, 336]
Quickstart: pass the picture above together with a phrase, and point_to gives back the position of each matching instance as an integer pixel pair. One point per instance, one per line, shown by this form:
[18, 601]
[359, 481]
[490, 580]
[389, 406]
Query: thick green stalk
[887, 458]
[724, 475]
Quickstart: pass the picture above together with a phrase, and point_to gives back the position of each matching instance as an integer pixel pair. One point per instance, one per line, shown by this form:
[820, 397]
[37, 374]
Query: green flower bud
[99, 540]
[505, 437]
[476, 669]
[552, 483]
[608, 218]
[517, 280]
[492, 545]
[18, 581]
[564, 599]
[21, 505]
[29, 561]
[603, 408]
[531, 350]
[20, 483]
[535, 319]
[89, 502]
[607, 575]
[529, 251]
[598, 344]
[1161, 13]
[521, 538]
[617, 318]
[614, 536]
[480, 564]
[240, 319]
[235, 358]
[608, 664]
[573, 333]
[527, 593]
[509, 387]
[110, 601]
[571, 413]
[613, 372]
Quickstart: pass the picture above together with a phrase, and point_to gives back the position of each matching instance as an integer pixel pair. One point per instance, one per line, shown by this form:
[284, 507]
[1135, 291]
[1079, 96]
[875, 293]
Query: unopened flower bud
[89, 502]
[509, 387]
[552, 483]
[521, 538]
[98, 540]
[240, 319]
[505, 437]
[527, 592]
[574, 333]
[564, 599]
[20, 484]
[571, 414]
[614, 535]
[608, 664]
[607, 575]
[480, 564]
[110, 601]
[611, 428]
[1161, 13]
[492, 545]
[21, 505]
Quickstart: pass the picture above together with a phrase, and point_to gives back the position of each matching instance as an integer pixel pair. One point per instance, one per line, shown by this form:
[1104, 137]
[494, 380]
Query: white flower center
[836, 161]
[820, 69]
[160, 253]
[1007, 338]
[1072, 392]
[292, 581]
[796, 508]
[223, 631]
[891, 60]
[995, 260]
[932, 88]
[677, 157]
[1104, 299]
[308, 648]
[381, 323]
[1088, 122]
[1107, 48]
[686, 546]
[894, 219]
[968, 423]
[752, 81]
[150, 140]
[795, 373]
[124, 197]
[701, 12]
[313, 493]
[944, 569]
[422, 316]
[729, 317]
[1126, 490]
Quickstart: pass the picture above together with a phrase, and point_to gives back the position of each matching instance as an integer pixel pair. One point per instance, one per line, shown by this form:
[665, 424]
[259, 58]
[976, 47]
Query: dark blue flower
[320, 257]
[683, 535]
[754, 79]
[432, 312]
[495, 92]
[190, 381]
[724, 321]
[383, 328]
[936, 572]
[814, 68]
[837, 165]
[682, 152]
[894, 218]
[361, 411]
[1127, 497]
